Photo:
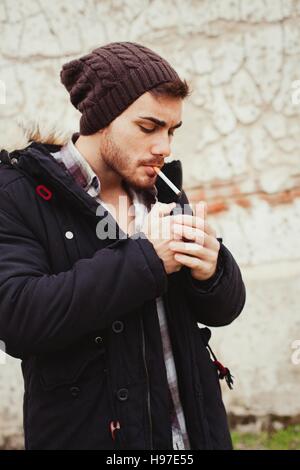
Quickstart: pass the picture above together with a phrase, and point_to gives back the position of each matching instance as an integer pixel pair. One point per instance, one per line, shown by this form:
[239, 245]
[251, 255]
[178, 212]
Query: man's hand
[158, 229]
[201, 254]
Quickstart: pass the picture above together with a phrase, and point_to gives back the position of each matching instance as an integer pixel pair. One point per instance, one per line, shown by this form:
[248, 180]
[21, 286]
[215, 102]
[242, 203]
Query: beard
[120, 162]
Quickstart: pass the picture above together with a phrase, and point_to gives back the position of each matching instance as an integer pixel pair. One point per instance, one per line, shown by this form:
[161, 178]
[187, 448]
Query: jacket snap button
[75, 391]
[122, 394]
[98, 340]
[69, 235]
[118, 326]
[14, 161]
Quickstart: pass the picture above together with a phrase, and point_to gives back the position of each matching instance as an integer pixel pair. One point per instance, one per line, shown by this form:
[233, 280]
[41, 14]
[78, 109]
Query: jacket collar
[36, 162]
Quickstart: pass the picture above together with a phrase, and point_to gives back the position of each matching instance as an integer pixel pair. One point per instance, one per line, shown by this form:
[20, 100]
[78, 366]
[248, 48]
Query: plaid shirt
[72, 160]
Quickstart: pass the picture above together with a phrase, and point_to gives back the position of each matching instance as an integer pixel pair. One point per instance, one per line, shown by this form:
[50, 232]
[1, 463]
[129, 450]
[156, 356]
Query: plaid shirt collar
[70, 157]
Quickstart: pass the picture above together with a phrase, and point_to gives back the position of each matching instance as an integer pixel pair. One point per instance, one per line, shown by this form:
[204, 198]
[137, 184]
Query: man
[106, 326]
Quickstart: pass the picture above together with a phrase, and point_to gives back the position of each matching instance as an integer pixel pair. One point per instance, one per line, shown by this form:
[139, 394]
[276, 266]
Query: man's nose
[162, 147]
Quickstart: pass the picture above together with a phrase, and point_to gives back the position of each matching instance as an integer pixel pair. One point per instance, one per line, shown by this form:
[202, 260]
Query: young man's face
[140, 137]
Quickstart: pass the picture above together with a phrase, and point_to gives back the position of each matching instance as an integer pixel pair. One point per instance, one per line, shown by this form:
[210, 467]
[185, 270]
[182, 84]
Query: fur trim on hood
[19, 135]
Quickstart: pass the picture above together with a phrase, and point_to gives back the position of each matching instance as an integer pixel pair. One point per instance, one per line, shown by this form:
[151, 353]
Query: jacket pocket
[68, 407]
[67, 366]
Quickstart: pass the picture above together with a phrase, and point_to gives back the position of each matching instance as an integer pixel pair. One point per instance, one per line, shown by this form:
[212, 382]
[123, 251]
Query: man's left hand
[201, 253]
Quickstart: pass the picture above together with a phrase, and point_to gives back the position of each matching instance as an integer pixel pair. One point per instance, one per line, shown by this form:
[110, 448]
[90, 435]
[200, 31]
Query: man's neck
[111, 182]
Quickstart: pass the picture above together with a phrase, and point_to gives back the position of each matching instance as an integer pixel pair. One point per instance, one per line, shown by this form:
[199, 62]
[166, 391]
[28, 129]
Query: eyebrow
[159, 122]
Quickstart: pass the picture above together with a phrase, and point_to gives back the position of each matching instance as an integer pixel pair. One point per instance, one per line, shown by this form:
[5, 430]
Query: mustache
[158, 164]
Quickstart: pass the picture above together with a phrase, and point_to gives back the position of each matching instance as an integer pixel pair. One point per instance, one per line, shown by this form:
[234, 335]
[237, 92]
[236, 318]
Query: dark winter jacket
[81, 314]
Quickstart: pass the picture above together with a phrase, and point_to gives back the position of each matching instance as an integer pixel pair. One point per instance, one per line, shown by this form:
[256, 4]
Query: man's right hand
[158, 229]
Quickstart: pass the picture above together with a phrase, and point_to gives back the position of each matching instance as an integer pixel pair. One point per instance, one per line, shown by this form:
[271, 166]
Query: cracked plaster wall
[239, 146]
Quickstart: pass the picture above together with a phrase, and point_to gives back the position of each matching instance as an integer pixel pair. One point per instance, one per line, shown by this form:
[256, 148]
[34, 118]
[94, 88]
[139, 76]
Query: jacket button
[122, 394]
[14, 161]
[118, 326]
[98, 340]
[74, 391]
[69, 235]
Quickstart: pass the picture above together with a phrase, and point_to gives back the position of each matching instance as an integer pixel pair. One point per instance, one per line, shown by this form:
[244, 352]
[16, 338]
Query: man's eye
[144, 129]
[148, 131]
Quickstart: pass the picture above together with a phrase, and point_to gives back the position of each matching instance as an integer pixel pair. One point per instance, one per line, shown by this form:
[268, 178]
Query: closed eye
[149, 131]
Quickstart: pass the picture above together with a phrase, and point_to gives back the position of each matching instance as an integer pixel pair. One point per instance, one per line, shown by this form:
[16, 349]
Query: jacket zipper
[198, 401]
[148, 389]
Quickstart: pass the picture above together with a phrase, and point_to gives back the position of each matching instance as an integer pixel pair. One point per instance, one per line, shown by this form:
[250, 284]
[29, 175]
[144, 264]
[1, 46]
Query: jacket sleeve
[220, 299]
[41, 311]
[221, 302]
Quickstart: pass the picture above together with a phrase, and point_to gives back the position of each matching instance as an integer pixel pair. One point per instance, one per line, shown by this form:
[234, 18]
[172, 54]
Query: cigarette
[166, 180]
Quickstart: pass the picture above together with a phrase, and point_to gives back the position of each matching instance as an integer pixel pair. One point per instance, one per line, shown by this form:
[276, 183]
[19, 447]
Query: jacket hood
[20, 134]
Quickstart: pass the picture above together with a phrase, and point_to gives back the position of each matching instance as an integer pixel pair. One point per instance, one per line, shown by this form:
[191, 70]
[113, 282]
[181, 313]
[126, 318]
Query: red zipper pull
[114, 426]
[44, 192]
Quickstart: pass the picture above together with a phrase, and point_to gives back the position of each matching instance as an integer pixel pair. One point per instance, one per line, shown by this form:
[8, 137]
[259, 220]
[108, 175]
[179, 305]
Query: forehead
[165, 108]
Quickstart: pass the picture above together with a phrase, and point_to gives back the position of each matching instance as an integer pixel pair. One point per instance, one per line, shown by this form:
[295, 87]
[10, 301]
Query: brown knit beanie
[105, 82]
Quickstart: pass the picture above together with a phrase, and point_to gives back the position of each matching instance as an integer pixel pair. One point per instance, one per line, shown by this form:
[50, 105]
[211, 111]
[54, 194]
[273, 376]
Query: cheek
[135, 165]
[136, 148]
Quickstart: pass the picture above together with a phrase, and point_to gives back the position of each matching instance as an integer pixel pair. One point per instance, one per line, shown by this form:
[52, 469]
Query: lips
[149, 170]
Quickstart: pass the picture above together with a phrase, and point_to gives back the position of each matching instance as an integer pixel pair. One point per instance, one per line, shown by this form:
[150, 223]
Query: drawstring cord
[224, 372]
